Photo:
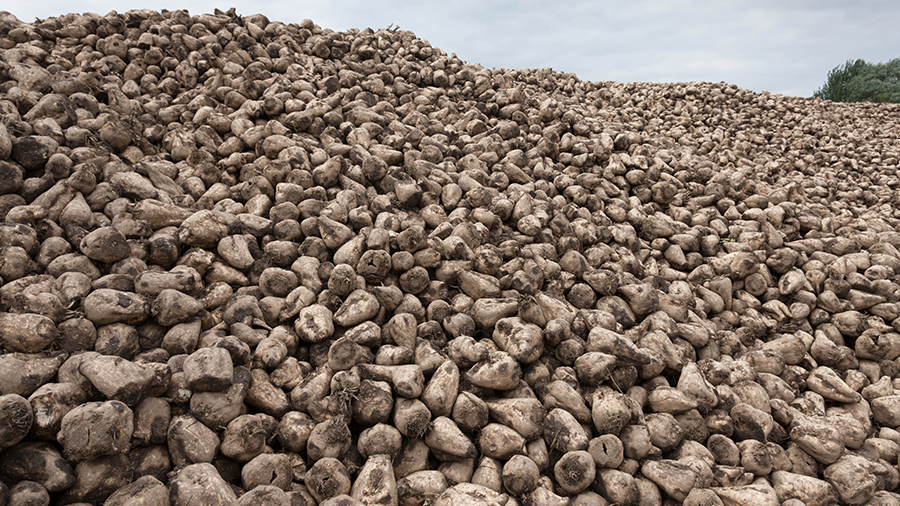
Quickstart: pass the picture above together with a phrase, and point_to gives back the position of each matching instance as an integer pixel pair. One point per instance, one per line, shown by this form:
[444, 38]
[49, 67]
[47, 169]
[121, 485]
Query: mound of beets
[256, 263]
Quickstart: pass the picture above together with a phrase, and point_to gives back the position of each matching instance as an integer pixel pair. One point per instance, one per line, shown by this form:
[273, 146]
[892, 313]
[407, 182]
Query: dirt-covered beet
[251, 262]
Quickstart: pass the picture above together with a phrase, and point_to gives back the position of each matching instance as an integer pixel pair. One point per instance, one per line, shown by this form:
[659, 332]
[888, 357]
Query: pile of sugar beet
[256, 263]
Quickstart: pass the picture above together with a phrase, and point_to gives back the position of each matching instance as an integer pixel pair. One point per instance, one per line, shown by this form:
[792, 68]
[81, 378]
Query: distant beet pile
[252, 263]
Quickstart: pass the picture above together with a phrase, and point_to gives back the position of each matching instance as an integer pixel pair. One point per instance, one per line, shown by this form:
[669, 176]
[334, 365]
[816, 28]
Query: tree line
[861, 81]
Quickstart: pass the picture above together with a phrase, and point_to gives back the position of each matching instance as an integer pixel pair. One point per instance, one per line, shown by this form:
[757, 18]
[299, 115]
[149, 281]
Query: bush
[860, 81]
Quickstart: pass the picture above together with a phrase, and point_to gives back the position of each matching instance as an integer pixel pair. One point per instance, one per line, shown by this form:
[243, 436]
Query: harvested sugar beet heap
[245, 262]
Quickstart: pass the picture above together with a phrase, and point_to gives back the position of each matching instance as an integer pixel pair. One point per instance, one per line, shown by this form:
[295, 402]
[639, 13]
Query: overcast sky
[781, 46]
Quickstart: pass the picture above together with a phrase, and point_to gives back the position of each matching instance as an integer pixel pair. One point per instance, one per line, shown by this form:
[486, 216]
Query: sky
[780, 46]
